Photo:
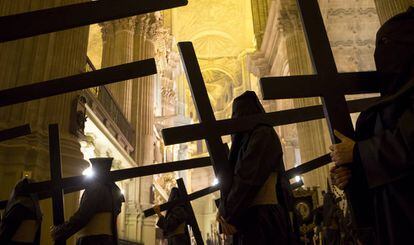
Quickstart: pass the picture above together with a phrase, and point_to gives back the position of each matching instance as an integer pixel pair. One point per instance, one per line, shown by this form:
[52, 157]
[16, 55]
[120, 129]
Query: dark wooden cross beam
[77, 183]
[43, 21]
[77, 82]
[56, 178]
[189, 208]
[216, 148]
[15, 132]
[187, 133]
[328, 83]
[309, 166]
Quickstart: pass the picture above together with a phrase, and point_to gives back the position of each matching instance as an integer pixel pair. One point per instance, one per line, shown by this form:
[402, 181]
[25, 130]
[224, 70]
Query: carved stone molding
[107, 30]
[125, 24]
[258, 64]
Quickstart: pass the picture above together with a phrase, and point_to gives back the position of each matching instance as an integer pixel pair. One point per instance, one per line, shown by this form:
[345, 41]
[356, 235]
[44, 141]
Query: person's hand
[157, 210]
[343, 152]
[53, 230]
[227, 228]
[340, 176]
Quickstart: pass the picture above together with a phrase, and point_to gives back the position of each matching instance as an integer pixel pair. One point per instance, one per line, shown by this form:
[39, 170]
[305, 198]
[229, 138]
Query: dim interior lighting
[298, 178]
[215, 181]
[88, 172]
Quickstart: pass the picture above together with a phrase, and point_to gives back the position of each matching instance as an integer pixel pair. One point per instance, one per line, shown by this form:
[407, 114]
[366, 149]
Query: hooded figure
[260, 196]
[95, 220]
[174, 224]
[22, 218]
[383, 156]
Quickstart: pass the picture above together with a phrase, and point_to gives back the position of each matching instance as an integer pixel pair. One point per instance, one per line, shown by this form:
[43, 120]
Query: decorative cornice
[125, 24]
[351, 43]
[352, 11]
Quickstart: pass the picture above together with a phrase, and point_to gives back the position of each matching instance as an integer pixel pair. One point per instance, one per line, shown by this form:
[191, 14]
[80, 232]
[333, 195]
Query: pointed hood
[247, 104]
[101, 166]
[21, 196]
[394, 52]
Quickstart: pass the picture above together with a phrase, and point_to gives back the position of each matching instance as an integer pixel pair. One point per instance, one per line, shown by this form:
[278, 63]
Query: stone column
[118, 48]
[311, 135]
[140, 229]
[260, 12]
[388, 8]
[31, 60]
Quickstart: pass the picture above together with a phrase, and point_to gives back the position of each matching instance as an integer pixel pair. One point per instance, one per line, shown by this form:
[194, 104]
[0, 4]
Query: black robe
[174, 218]
[100, 196]
[384, 152]
[255, 155]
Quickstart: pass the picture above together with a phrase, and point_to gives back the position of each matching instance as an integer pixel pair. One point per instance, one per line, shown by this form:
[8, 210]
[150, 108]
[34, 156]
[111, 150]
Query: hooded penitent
[394, 52]
[174, 224]
[383, 154]
[95, 220]
[21, 216]
[256, 158]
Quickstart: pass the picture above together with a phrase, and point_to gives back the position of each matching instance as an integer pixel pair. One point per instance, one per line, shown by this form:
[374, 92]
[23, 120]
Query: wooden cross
[327, 84]
[189, 208]
[43, 21]
[217, 150]
[56, 178]
[212, 130]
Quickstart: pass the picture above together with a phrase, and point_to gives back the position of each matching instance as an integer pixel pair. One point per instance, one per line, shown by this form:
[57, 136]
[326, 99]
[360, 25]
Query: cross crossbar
[43, 21]
[15, 132]
[77, 82]
[77, 183]
[308, 85]
[187, 133]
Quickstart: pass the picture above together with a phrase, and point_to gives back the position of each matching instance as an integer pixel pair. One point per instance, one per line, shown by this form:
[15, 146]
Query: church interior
[237, 42]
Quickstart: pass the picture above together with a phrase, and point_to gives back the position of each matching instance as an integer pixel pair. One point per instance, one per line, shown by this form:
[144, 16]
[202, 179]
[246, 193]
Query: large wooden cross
[56, 178]
[328, 84]
[193, 221]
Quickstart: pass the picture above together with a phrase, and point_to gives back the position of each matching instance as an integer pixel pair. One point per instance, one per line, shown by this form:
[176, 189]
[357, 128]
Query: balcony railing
[103, 96]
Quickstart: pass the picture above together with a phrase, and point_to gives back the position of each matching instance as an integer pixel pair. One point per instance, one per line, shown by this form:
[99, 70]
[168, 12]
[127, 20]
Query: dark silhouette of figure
[22, 218]
[383, 154]
[174, 224]
[95, 220]
[260, 197]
